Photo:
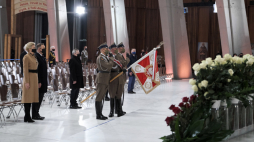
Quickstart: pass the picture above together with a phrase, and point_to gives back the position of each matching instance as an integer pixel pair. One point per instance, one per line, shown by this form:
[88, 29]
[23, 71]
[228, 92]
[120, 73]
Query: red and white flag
[146, 71]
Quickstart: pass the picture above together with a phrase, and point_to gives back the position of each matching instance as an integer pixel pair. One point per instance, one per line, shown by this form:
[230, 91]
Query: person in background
[21, 59]
[12, 53]
[234, 55]
[84, 56]
[76, 78]
[42, 78]
[30, 93]
[133, 59]
[241, 55]
[143, 53]
[52, 57]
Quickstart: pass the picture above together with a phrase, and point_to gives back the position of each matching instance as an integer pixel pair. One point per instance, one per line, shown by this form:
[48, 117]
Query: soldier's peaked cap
[120, 45]
[104, 45]
[112, 46]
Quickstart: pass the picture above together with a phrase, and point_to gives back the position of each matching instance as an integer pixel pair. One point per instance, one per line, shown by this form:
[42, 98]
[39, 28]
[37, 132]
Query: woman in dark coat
[76, 78]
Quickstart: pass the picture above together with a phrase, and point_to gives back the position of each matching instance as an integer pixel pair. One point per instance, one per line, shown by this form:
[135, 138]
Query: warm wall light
[80, 10]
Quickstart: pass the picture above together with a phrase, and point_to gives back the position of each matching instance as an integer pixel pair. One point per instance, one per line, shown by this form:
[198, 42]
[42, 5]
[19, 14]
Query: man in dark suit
[21, 59]
[133, 59]
[76, 78]
[42, 78]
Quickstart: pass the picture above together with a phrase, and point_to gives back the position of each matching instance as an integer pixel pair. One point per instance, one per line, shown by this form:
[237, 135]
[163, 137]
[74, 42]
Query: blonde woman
[30, 92]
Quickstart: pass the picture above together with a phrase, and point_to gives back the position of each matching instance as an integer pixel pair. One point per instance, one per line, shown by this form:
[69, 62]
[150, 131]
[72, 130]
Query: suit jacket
[103, 64]
[42, 73]
[21, 60]
[52, 58]
[133, 59]
[76, 72]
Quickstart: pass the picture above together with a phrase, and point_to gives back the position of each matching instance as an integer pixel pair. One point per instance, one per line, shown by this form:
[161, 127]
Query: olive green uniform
[115, 87]
[122, 78]
[104, 65]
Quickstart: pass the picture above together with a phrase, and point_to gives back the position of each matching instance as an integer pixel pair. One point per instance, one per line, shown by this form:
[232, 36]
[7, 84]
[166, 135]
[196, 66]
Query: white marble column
[58, 29]
[234, 31]
[3, 26]
[176, 47]
[115, 22]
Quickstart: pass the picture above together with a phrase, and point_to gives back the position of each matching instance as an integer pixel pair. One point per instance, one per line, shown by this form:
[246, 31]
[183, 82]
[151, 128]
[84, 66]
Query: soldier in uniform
[104, 65]
[84, 56]
[122, 79]
[114, 87]
[52, 57]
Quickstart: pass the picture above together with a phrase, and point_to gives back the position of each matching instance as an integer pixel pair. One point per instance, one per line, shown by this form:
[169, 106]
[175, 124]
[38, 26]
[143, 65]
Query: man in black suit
[76, 78]
[133, 59]
[42, 78]
[21, 58]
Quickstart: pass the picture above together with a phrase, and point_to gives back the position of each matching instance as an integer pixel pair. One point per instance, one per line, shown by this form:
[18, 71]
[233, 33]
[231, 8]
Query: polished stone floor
[144, 121]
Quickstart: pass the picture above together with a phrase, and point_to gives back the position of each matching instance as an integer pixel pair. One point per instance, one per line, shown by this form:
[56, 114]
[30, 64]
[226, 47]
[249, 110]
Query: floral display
[222, 79]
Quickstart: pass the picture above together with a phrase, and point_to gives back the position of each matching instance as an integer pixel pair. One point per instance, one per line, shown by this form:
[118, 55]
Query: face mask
[123, 51]
[134, 53]
[43, 50]
[86, 49]
[34, 50]
[106, 52]
[53, 49]
[116, 51]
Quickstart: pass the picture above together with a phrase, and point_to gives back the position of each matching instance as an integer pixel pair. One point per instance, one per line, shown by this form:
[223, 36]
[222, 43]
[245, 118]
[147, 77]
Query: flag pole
[156, 48]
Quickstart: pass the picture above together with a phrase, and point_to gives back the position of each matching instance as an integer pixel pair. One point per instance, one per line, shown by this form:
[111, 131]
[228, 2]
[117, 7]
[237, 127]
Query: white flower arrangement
[196, 67]
[204, 83]
[195, 88]
[192, 81]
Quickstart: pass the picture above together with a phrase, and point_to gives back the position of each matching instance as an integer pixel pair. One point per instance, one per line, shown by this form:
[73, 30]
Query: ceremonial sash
[118, 63]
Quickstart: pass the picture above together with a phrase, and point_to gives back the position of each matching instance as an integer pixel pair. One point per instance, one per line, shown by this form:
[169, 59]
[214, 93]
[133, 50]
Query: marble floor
[144, 121]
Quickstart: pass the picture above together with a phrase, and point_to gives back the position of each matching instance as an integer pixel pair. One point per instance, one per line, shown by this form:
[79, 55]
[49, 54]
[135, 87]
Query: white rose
[234, 59]
[227, 57]
[203, 65]
[246, 56]
[219, 60]
[206, 93]
[209, 61]
[199, 85]
[204, 83]
[196, 73]
[229, 80]
[195, 88]
[192, 81]
[231, 72]
[239, 60]
[196, 67]
[250, 62]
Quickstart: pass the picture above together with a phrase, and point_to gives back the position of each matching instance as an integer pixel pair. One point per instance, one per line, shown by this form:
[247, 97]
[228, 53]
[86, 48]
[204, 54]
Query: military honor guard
[52, 57]
[122, 78]
[114, 86]
[104, 65]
